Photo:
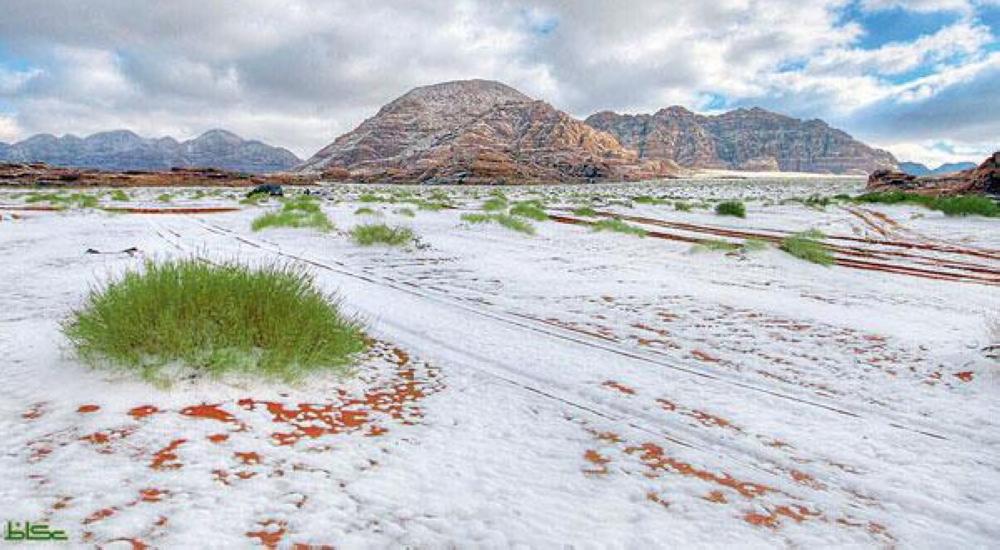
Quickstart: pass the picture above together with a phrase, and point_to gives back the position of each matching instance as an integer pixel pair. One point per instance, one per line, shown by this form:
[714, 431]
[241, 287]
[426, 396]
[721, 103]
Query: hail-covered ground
[571, 387]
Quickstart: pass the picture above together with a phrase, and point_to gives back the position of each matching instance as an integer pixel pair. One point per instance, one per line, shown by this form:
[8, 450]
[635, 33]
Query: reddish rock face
[744, 139]
[477, 131]
[984, 179]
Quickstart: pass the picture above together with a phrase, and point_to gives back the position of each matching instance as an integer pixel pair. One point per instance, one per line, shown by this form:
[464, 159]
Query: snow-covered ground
[571, 388]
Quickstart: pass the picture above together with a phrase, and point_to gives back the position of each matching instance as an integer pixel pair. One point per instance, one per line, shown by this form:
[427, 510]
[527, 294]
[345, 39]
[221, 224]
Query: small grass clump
[61, 200]
[585, 211]
[365, 211]
[166, 197]
[529, 209]
[408, 212]
[271, 320]
[719, 245]
[958, 205]
[646, 199]
[682, 206]
[373, 234]
[119, 195]
[301, 211]
[807, 246]
[510, 222]
[618, 226]
[495, 204]
[731, 208]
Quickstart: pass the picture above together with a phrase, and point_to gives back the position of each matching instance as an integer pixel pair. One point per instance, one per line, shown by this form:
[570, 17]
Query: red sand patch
[166, 458]
[702, 356]
[271, 534]
[248, 458]
[600, 462]
[189, 210]
[620, 387]
[655, 459]
[142, 411]
[217, 438]
[83, 409]
[152, 495]
[965, 376]
[212, 412]
[99, 515]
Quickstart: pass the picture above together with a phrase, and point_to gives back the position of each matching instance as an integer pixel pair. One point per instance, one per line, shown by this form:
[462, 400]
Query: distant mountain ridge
[477, 131]
[918, 169]
[120, 150]
[743, 139]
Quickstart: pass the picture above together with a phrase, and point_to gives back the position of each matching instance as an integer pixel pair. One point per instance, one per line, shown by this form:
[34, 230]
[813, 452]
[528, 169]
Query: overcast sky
[918, 77]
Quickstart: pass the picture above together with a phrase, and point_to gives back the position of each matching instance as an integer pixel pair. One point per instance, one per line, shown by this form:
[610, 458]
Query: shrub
[806, 246]
[682, 206]
[365, 211]
[166, 197]
[618, 226]
[119, 195]
[646, 199]
[408, 212]
[510, 222]
[529, 209]
[271, 320]
[585, 211]
[959, 205]
[301, 211]
[372, 234]
[731, 208]
[495, 204]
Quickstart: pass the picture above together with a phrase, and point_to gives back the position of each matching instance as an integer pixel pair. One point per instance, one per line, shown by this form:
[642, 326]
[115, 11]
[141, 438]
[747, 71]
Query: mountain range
[744, 139]
[477, 131]
[918, 169]
[122, 150]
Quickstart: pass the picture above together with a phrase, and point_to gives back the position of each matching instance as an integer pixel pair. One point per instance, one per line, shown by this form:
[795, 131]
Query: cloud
[299, 72]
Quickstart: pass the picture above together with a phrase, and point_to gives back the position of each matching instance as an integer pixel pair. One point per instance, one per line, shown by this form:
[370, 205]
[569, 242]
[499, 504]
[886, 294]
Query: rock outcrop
[477, 131]
[983, 179]
[124, 150]
[744, 139]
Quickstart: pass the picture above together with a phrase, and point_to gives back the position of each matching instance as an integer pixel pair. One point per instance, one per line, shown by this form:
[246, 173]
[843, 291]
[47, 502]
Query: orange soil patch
[137, 544]
[397, 399]
[703, 418]
[716, 496]
[656, 460]
[34, 412]
[142, 411]
[152, 495]
[99, 515]
[166, 458]
[104, 439]
[702, 356]
[248, 458]
[83, 409]
[599, 461]
[212, 412]
[653, 497]
[217, 438]
[806, 479]
[771, 520]
[965, 376]
[271, 534]
[620, 387]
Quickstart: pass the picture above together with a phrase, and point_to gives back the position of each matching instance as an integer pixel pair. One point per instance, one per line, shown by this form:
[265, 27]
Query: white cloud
[8, 129]
[299, 72]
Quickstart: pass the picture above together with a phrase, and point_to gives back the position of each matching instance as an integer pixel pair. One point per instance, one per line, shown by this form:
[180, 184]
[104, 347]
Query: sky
[917, 77]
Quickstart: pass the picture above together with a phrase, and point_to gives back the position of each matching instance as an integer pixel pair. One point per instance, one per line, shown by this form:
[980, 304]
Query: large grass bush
[807, 246]
[271, 320]
[731, 208]
[618, 226]
[959, 205]
[380, 233]
[301, 211]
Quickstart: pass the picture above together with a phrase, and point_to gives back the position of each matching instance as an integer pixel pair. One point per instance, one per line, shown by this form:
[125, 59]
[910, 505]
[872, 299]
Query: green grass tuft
[682, 206]
[618, 226]
[529, 209]
[372, 234]
[731, 208]
[585, 211]
[646, 199]
[959, 205]
[301, 211]
[272, 321]
[166, 197]
[510, 222]
[408, 212]
[119, 195]
[807, 246]
[365, 211]
[495, 204]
